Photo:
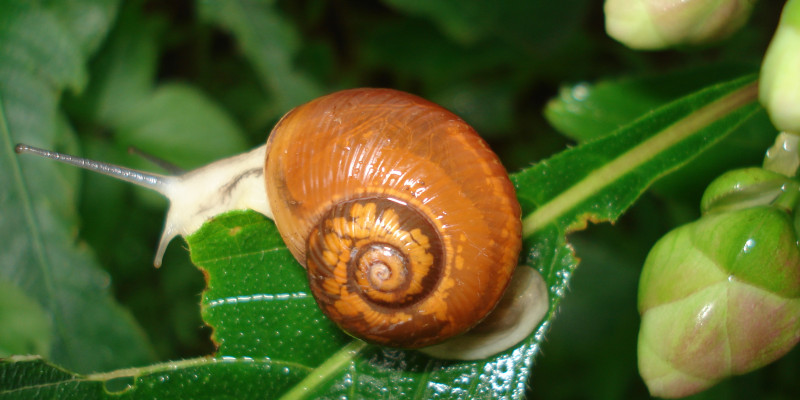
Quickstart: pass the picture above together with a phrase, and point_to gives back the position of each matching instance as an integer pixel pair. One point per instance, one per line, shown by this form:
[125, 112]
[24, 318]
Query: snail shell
[405, 220]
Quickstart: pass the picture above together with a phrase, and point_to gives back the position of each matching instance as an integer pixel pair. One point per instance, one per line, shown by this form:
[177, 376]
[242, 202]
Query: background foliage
[194, 81]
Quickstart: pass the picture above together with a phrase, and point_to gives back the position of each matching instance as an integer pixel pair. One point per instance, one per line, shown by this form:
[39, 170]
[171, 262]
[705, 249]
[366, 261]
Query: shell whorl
[405, 220]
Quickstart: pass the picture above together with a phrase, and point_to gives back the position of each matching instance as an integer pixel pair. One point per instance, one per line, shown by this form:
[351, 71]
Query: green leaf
[441, 65]
[50, 54]
[182, 124]
[259, 304]
[123, 72]
[24, 326]
[587, 111]
[270, 43]
[468, 22]
[599, 180]
[463, 22]
[39, 254]
[198, 378]
[87, 20]
[256, 286]
[487, 108]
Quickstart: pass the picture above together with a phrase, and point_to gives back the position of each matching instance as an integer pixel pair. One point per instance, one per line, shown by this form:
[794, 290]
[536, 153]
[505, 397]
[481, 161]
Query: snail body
[406, 222]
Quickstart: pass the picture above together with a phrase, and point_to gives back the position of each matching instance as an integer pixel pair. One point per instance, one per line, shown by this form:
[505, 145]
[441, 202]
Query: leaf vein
[239, 255]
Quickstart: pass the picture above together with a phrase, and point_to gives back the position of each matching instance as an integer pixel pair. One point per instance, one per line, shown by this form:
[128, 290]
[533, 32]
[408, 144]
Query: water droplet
[580, 92]
[748, 245]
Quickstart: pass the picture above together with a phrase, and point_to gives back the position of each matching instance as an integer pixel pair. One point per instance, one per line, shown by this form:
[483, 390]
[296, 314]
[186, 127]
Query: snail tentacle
[234, 183]
[148, 180]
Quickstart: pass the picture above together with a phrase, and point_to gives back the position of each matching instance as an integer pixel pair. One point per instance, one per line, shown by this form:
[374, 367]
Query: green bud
[742, 188]
[779, 86]
[718, 297]
[657, 24]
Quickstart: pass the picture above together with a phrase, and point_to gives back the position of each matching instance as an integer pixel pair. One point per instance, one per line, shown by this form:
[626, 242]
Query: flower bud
[657, 24]
[718, 297]
[779, 85]
[742, 188]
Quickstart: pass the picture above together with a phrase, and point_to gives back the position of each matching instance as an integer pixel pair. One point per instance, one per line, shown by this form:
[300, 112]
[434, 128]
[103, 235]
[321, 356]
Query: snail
[405, 220]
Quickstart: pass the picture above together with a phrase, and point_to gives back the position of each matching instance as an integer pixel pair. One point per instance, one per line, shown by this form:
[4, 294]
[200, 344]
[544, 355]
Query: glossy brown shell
[405, 220]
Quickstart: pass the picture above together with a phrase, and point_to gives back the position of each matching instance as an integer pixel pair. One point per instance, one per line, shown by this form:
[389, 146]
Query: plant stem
[324, 372]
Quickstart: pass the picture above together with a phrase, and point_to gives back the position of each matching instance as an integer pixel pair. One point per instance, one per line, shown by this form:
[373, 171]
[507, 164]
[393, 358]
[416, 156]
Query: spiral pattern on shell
[405, 220]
